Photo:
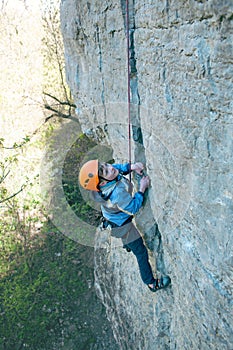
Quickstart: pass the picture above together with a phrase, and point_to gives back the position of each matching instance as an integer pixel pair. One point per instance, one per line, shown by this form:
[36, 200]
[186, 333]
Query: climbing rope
[128, 81]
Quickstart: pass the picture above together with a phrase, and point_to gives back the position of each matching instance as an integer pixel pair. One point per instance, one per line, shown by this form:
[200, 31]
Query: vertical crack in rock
[151, 232]
[135, 98]
[145, 219]
[100, 65]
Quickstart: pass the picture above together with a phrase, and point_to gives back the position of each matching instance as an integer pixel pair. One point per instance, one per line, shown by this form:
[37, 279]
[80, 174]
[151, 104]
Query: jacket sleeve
[126, 203]
[123, 168]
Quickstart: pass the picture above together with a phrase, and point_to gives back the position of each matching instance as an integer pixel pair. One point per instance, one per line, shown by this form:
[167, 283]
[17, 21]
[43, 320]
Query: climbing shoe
[160, 283]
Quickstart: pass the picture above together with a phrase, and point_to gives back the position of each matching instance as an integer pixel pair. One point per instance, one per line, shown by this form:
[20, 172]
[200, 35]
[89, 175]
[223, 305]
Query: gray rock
[181, 90]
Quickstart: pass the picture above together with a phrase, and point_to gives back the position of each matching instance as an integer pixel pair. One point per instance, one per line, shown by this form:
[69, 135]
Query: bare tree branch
[4, 175]
[58, 113]
[12, 196]
[57, 49]
[26, 139]
[64, 103]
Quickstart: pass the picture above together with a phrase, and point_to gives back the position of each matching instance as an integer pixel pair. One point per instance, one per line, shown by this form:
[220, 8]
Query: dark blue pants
[132, 239]
[139, 250]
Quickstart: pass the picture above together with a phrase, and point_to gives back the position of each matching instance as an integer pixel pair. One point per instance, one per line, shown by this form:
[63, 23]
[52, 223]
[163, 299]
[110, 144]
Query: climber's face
[107, 171]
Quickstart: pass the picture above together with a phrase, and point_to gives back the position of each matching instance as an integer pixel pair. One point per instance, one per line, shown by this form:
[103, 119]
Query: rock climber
[110, 187]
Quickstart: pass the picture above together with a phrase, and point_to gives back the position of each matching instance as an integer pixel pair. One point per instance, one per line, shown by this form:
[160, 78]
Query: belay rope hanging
[128, 81]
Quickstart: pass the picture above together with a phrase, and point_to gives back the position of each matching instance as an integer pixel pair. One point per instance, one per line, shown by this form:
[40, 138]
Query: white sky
[31, 5]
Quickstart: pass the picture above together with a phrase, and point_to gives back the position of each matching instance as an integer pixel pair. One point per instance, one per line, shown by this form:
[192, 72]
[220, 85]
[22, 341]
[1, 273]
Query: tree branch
[12, 196]
[4, 175]
[65, 103]
[57, 113]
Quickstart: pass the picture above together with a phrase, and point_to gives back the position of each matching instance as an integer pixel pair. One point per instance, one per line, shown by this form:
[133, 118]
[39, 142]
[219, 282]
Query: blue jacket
[117, 203]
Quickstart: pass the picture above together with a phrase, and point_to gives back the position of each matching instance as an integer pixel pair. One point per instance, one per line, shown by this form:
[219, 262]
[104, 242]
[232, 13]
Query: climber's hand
[144, 183]
[138, 168]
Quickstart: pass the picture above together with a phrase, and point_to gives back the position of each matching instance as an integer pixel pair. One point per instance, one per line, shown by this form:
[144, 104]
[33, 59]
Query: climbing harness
[109, 224]
[128, 81]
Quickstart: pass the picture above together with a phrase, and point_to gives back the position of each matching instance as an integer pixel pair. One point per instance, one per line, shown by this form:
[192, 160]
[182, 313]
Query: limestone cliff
[181, 93]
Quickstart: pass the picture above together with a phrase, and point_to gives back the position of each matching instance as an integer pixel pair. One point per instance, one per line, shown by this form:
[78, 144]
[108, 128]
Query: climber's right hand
[144, 183]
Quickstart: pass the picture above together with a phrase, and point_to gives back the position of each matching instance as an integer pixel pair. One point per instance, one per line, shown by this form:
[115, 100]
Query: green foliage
[82, 208]
[26, 139]
[39, 290]
[71, 188]
[46, 301]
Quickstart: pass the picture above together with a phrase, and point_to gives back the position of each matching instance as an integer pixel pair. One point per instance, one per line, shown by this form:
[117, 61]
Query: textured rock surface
[181, 89]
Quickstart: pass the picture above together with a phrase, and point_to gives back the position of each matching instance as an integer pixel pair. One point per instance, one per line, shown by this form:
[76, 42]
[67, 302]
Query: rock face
[181, 123]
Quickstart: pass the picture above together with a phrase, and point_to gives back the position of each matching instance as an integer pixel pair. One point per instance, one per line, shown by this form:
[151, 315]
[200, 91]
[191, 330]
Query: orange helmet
[88, 175]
